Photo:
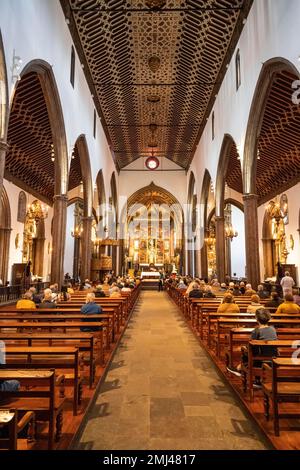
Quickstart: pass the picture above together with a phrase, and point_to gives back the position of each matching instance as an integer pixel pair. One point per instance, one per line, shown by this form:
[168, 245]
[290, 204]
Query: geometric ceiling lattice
[234, 177]
[278, 164]
[75, 175]
[154, 73]
[28, 160]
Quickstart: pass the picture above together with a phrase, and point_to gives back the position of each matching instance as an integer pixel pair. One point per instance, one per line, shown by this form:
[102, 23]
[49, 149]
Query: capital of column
[60, 197]
[219, 218]
[250, 197]
[3, 145]
[87, 219]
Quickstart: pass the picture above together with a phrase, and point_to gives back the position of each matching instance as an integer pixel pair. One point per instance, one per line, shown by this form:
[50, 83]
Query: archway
[206, 187]
[228, 173]
[34, 240]
[80, 218]
[5, 231]
[153, 230]
[4, 109]
[36, 159]
[191, 226]
[271, 154]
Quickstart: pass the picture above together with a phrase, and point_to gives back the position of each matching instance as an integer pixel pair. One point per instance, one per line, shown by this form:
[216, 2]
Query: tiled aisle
[162, 391]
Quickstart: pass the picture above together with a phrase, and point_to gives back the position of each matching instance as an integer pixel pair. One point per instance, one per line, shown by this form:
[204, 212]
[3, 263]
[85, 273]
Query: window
[22, 206]
[72, 72]
[213, 125]
[238, 70]
[95, 123]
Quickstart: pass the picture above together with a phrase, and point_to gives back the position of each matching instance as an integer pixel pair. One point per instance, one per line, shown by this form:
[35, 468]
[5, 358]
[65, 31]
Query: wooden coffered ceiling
[278, 164]
[154, 72]
[234, 172]
[75, 175]
[28, 160]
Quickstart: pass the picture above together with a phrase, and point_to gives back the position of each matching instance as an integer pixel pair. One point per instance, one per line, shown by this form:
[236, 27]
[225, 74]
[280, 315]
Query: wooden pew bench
[43, 399]
[45, 357]
[281, 385]
[15, 426]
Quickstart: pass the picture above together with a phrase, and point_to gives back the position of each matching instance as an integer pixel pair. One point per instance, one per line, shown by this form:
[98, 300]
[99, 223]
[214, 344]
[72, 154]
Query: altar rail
[11, 293]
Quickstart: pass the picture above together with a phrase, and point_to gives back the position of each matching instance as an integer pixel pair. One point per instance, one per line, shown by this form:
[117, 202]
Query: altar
[150, 275]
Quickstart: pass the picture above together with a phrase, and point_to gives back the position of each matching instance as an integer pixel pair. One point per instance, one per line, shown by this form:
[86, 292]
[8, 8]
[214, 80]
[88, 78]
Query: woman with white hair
[115, 292]
[47, 301]
[90, 308]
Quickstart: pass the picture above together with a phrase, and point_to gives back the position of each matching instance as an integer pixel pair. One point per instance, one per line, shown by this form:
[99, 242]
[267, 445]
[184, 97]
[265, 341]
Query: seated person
[255, 304]
[288, 306]
[242, 288]
[8, 386]
[26, 302]
[275, 301]
[181, 285]
[126, 287]
[115, 292]
[236, 290]
[228, 304]
[47, 301]
[223, 287]
[262, 293]
[90, 308]
[208, 293]
[99, 292]
[87, 284]
[70, 289]
[296, 296]
[35, 297]
[191, 286]
[64, 294]
[249, 291]
[263, 332]
[196, 292]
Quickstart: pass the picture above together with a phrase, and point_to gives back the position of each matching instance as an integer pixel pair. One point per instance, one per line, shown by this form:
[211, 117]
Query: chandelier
[37, 211]
[77, 232]
[230, 232]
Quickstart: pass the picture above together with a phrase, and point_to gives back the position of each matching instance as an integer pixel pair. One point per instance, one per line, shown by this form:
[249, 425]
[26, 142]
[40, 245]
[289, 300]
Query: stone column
[4, 250]
[220, 248]
[58, 238]
[204, 261]
[86, 248]
[76, 258]
[251, 239]
[3, 150]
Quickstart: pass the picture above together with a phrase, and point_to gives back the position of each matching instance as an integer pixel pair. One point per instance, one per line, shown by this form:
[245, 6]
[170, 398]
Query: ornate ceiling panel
[278, 164]
[28, 160]
[155, 72]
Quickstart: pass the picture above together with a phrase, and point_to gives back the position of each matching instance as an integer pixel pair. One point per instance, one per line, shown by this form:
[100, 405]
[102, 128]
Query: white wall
[36, 29]
[15, 254]
[69, 247]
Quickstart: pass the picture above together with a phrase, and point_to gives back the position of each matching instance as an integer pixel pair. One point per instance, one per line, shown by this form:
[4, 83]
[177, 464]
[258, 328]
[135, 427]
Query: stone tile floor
[163, 392]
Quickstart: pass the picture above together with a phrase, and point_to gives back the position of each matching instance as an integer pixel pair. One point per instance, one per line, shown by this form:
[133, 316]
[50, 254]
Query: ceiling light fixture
[152, 163]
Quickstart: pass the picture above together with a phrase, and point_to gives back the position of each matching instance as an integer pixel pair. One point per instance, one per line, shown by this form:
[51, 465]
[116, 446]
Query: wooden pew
[238, 337]
[50, 326]
[284, 387]
[286, 348]
[43, 399]
[85, 342]
[15, 426]
[39, 357]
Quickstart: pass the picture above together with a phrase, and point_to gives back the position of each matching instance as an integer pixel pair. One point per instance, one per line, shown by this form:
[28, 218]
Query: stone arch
[203, 221]
[51, 95]
[4, 100]
[5, 231]
[83, 152]
[266, 78]
[192, 257]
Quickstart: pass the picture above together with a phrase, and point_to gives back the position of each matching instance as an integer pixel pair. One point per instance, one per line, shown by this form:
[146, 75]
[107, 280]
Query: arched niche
[34, 242]
[22, 207]
[5, 231]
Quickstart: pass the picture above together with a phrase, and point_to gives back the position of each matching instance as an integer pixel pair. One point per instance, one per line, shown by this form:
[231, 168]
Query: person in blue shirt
[90, 308]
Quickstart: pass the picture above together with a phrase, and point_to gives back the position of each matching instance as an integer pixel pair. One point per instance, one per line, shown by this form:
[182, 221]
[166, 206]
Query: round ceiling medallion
[154, 63]
[155, 5]
[152, 163]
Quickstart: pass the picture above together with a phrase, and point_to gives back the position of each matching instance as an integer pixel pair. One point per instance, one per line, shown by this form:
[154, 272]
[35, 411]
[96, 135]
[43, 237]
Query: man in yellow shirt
[26, 302]
[288, 306]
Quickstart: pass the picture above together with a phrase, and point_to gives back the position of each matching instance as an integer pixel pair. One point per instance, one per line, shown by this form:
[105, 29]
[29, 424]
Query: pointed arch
[256, 116]
[203, 221]
[85, 166]
[5, 231]
[4, 100]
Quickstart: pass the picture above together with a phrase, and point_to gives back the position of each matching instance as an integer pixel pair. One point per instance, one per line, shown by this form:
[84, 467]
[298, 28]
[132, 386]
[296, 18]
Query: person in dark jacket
[275, 301]
[90, 308]
[196, 292]
[99, 292]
